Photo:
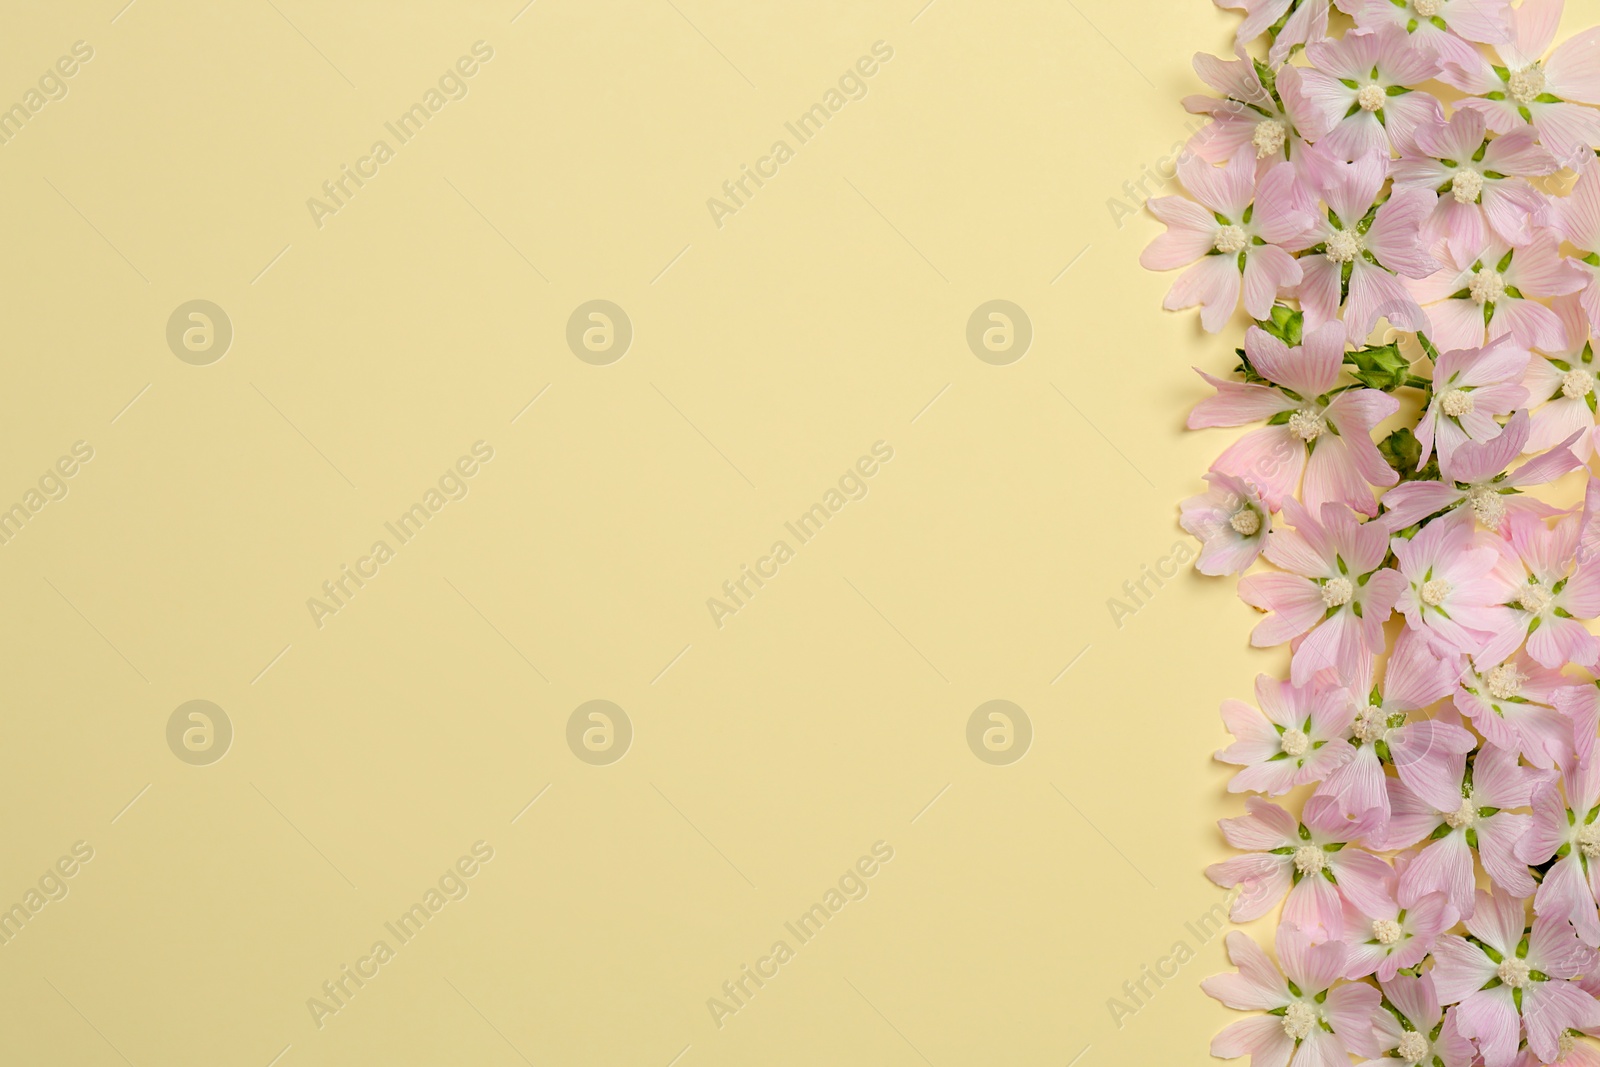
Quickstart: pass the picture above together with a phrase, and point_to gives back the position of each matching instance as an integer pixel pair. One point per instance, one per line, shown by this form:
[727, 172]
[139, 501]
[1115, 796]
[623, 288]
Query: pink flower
[1470, 387]
[1578, 218]
[1231, 521]
[1359, 247]
[1450, 595]
[1478, 480]
[1414, 1029]
[1564, 382]
[1234, 231]
[1383, 731]
[1393, 937]
[1302, 407]
[1247, 114]
[1565, 830]
[1296, 737]
[1580, 705]
[1474, 816]
[1574, 1052]
[1511, 702]
[1546, 594]
[1440, 26]
[1336, 597]
[1311, 1023]
[1487, 291]
[1521, 91]
[1307, 22]
[1504, 983]
[1305, 858]
[1481, 185]
[1355, 97]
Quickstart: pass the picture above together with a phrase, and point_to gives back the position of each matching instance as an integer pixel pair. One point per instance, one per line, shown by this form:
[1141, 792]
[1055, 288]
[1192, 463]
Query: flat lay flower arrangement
[1421, 794]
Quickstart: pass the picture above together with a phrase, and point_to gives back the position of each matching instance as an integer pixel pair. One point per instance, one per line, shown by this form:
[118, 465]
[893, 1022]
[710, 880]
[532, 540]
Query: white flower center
[1345, 245]
[1371, 97]
[1488, 505]
[1306, 424]
[1456, 403]
[1413, 1047]
[1534, 599]
[1526, 84]
[1463, 818]
[1427, 8]
[1230, 239]
[1487, 286]
[1369, 725]
[1294, 742]
[1269, 137]
[1589, 840]
[1299, 1020]
[1246, 522]
[1434, 592]
[1385, 931]
[1564, 1045]
[1505, 681]
[1466, 186]
[1576, 383]
[1309, 859]
[1513, 972]
[1336, 592]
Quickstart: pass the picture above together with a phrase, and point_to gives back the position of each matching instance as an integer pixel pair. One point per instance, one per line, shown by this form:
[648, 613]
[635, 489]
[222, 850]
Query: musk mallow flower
[1470, 387]
[1246, 115]
[1458, 816]
[1510, 978]
[1384, 941]
[1574, 1052]
[1481, 185]
[1442, 27]
[1577, 218]
[1311, 1020]
[1313, 429]
[1580, 706]
[1309, 863]
[1359, 246]
[1562, 385]
[1451, 595]
[1528, 86]
[1477, 479]
[1384, 730]
[1566, 830]
[1231, 521]
[1295, 735]
[1489, 292]
[1335, 596]
[1232, 236]
[1294, 23]
[1355, 97]
[1512, 703]
[1414, 1029]
[1546, 593]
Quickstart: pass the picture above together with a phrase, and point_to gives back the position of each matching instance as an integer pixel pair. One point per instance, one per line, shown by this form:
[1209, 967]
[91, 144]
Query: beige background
[768, 355]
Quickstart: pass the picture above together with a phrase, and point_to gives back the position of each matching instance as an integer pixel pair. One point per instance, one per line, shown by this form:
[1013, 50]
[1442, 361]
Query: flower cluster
[1423, 790]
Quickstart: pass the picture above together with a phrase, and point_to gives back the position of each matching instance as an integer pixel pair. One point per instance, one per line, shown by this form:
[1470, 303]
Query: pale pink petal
[1268, 270]
[1213, 283]
[1573, 70]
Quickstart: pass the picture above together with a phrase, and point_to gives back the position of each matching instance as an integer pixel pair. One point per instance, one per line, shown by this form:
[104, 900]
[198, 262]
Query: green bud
[1402, 451]
[1286, 324]
[1380, 367]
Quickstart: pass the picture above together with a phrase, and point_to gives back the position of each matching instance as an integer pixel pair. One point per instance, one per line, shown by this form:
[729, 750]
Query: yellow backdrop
[387, 383]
